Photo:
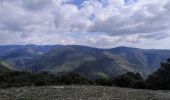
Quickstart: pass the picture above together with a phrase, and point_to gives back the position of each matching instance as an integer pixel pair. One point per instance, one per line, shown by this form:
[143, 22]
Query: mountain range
[89, 62]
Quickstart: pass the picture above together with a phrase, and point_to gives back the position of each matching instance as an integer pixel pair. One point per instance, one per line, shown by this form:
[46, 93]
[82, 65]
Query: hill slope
[18, 54]
[93, 62]
[87, 61]
[4, 66]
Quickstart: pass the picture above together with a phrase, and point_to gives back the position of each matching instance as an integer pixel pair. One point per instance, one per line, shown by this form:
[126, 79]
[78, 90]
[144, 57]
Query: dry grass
[81, 93]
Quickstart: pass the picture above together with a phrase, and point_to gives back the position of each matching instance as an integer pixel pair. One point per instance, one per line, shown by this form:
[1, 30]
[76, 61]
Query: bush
[161, 78]
[130, 80]
[102, 81]
[74, 78]
[17, 79]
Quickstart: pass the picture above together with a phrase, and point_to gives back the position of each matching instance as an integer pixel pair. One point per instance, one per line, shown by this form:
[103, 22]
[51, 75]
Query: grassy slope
[4, 66]
[86, 60]
[81, 92]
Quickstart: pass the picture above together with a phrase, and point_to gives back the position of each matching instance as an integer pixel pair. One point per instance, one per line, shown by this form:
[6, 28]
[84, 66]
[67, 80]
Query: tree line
[160, 79]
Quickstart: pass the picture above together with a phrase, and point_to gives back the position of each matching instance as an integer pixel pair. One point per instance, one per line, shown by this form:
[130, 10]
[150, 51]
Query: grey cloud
[59, 22]
[149, 20]
[157, 36]
[14, 18]
[36, 4]
[30, 4]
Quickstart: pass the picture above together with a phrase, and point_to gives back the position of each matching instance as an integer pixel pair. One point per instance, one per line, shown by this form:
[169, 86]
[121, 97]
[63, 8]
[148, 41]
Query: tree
[130, 80]
[161, 78]
[74, 78]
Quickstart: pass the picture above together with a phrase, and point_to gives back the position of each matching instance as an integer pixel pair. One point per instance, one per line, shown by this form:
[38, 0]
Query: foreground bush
[18, 79]
[161, 78]
[130, 80]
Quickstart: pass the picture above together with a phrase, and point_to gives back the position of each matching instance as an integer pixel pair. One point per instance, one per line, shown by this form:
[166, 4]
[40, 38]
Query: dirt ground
[81, 93]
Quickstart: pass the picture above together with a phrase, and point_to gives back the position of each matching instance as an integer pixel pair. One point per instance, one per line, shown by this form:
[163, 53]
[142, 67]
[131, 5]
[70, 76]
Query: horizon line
[83, 46]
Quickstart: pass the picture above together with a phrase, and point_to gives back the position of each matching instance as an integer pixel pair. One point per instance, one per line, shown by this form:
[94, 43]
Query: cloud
[98, 23]
[141, 17]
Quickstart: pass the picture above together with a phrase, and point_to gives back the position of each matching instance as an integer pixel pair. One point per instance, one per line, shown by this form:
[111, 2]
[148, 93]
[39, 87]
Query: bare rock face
[81, 93]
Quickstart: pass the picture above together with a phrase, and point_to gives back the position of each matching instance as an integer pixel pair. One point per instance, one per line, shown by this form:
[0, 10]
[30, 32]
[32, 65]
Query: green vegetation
[88, 62]
[5, 67]
[130, 80]
[73, 78]
[18, 79]
[158, 80]
[161, 78]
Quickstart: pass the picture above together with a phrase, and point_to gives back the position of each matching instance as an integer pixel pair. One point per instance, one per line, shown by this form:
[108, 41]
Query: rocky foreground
[81, 93]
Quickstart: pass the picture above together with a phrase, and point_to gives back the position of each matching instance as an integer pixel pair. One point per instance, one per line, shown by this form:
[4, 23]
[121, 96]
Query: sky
[96, 23]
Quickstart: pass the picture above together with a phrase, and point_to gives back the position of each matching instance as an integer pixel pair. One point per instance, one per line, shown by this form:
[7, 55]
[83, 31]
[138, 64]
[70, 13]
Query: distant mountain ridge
[87, 61]
[18, 54]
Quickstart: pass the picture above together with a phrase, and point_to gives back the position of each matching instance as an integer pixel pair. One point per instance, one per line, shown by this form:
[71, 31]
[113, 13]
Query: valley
[36, 72]
[89, 62]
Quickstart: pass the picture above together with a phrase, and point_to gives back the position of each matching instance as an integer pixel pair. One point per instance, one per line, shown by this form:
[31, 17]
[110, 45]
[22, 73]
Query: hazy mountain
[143, 57]
[87, 61]
[24, 50]
[18, 54]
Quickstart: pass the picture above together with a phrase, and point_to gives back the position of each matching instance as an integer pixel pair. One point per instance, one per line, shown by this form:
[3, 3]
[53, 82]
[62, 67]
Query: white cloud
[99, 23]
